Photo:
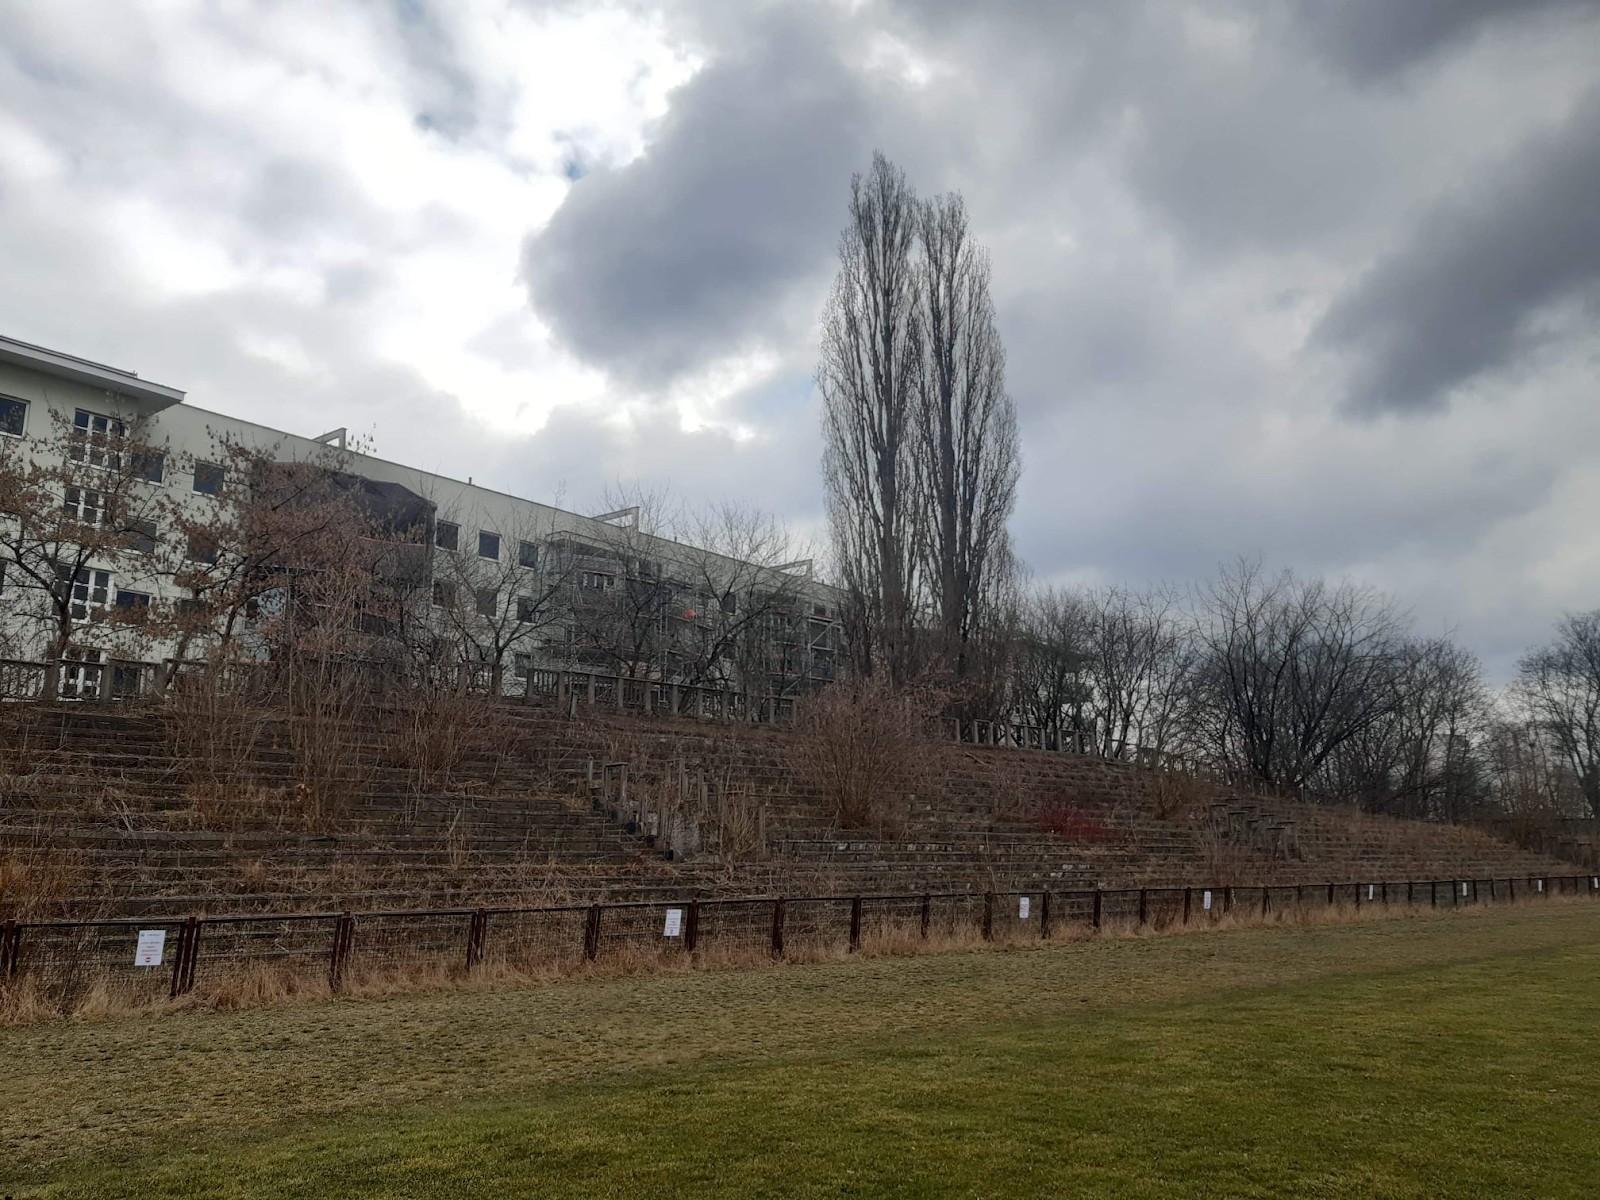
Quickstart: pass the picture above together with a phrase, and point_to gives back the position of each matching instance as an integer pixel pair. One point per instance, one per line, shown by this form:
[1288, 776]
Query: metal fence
[144, 959]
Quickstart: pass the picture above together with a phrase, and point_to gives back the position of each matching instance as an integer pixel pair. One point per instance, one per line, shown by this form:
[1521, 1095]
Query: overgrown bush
[867, 746]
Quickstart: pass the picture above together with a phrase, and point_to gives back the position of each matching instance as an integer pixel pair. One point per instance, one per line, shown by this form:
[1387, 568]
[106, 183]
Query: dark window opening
[151, 465]
[487, 602]
[13, 416]
[527, 555]
[446, 535]
[202, 549]
[208, 479]
[488, 545]
[142, 537]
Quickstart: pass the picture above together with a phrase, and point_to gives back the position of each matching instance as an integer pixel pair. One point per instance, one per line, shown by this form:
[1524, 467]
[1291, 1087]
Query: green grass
[1437, 1056]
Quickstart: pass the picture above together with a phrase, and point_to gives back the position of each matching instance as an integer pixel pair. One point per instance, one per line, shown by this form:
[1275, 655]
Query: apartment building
[512, 586]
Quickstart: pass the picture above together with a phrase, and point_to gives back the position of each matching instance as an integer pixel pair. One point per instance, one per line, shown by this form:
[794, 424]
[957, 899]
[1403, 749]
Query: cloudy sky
[1314, 281]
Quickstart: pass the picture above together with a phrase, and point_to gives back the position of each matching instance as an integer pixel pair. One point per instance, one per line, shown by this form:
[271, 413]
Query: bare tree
[78, 524]
[869, 371]
[1293, 669]
[743, 624]
[493, 608]
[1051, 687]
[967, 458]
[1558, 688]
[620, 591]
[258, 527]
[1425, 758]
[1140, 668]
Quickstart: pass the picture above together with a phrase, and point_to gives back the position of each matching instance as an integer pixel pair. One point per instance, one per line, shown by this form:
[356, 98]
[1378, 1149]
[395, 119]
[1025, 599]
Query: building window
[142, 537]
[85, 591]
[83, 504]
[133, 607]
[446, 535]
[444, 593]
[521, 664]
[150, 465]
[527, 610]
[202, 549]
[528, 555]
[487, 602]
[13, 416]
[208, 479]
[489, 545]
[595, 581]
[97, 440]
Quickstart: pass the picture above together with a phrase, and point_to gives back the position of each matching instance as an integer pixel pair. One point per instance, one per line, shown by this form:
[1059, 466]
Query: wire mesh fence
[143, 959]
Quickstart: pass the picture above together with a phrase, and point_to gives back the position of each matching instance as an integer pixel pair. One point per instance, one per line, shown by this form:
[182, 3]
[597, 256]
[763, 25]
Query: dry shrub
[35, 880]
[865, 746]
[213, 726]
[1178, 794]
[442, 727]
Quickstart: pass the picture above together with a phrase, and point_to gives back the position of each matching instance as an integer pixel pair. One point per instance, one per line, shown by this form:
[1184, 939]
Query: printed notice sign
[1369, 891]
[1205, 901]
[151, 943]
[1596, 881]
[1540, 882]
[1022, 908]
[674, 925]
[1463, 889]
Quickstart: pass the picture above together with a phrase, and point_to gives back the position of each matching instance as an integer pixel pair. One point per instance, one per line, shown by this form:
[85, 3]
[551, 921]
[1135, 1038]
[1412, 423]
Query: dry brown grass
[250, 985]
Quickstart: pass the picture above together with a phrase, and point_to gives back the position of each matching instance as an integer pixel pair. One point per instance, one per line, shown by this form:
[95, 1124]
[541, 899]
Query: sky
[1314, 282]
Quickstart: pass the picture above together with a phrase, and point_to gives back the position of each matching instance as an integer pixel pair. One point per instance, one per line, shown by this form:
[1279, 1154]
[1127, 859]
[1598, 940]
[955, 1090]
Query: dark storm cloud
[689, 251]
[1373, 38]
[1460, 298]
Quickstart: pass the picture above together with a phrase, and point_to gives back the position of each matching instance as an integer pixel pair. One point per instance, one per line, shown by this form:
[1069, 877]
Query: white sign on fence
[1463, 888]
[1022, 908]
[1369, 891]
[1596, 882]
[1205, 901]
[674, 925]
[1540, 884]
[151, 944]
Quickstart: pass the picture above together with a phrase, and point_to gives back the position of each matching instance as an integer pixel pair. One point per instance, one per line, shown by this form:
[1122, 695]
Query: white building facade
[570, 563]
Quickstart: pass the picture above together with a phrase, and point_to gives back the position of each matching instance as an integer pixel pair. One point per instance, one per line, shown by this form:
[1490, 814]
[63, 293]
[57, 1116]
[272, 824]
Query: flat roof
[83, 370]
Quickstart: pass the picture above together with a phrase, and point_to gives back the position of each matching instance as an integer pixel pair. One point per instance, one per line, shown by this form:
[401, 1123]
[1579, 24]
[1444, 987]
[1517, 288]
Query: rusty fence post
[1188, 903]
[476, 927]
[1144, 907]
[1433, 893]
[691, 940]
[988, 916]
[855, 924]
[1044, 914]
[1330, 895]
[340, 951]
[1358, 897]
[927, 914]
[183, 960]
[1097, 908]
[192, 966]
[10, 943]
[1227, 898]
[591, 932]
[779, 908]
[1266, 901]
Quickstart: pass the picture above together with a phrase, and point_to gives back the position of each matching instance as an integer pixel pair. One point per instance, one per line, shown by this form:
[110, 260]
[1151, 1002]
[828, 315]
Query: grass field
[1450, 1055]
